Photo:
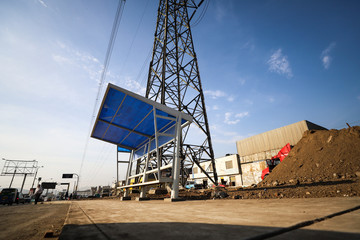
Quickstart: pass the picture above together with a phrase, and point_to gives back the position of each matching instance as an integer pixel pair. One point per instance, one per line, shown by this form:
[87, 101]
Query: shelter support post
[127, 180]
[145, 177]
[117, 166]
[158, 157]
[77, 183]
[176, 162]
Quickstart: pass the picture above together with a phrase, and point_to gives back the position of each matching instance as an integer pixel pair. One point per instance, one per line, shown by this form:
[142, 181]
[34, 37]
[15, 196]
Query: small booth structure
[142, 127]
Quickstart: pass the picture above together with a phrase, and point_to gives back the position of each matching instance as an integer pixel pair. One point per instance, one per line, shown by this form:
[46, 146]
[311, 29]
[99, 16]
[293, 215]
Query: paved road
[320, 218]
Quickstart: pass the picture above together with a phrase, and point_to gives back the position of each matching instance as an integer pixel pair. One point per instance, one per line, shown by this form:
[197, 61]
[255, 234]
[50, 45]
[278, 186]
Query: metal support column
[144, 176]
[12, 179]
[176, 162]
[117, 166]
[22, 185]
[127, 180]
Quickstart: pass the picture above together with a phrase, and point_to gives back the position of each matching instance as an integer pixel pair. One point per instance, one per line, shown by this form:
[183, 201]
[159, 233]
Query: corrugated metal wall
[267, 144]
[255, 149]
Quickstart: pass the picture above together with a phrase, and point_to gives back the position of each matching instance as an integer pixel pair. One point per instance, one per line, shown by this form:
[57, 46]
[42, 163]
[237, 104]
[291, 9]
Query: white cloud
[76, 58]
[242, 81]
[220, 12]
[215, 94]
[229, 139]
[248, 102]
[223, 136]
[42, 3]
[231, 118]
[215, 107]
[218, 94]
[280, 64]
[249, 45]
[241, 115]
[134, 86]
[128, 83]
[93, 68]
[61, 59]
[231, 98]
[325, 55]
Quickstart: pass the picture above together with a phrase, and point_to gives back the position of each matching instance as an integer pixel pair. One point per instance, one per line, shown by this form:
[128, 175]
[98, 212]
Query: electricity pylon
[174, 80]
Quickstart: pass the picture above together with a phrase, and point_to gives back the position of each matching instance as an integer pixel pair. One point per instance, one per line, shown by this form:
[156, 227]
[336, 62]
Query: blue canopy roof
[121, 149]
[127, 119]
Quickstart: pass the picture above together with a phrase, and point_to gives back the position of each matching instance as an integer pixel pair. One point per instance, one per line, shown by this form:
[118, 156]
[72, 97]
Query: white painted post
[127, 182]
[176, 163]
[145, 177]
[158, 159]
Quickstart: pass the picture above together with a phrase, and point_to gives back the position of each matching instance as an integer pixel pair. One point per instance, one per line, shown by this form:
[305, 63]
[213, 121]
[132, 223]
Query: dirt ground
[94, 219]
[324, 163]
[336, 188]
[31, 222]
[311, 218]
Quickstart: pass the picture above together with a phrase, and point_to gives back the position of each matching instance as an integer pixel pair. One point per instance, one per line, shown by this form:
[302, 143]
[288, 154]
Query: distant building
[244, 168]
[253, 151]
[84, 193]
[227, 168]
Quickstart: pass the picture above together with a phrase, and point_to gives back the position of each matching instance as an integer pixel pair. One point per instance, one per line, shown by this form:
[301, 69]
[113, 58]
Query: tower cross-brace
[174, 80]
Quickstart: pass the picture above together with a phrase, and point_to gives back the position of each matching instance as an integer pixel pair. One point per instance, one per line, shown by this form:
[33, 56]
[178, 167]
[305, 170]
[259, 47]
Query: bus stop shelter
[142, 126]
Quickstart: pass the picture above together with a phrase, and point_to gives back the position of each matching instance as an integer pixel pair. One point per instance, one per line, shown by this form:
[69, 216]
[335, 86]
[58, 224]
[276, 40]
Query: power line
[143, 68]
[100, 159]
[135, 35]
[114, 31]
[201, 16]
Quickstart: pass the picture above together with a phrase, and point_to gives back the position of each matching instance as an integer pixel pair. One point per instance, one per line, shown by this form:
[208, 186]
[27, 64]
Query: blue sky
[263, 65]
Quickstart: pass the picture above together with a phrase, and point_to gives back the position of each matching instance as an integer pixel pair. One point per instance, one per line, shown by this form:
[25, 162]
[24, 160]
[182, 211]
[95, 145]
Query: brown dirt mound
[323, 164]
[320, 156]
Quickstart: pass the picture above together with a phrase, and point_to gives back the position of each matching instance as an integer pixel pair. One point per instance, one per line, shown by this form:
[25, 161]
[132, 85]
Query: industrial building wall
[254, 150]
[268, 144]
[227, 169]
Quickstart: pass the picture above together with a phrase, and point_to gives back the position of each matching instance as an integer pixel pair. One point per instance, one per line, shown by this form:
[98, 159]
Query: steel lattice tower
[174, 80]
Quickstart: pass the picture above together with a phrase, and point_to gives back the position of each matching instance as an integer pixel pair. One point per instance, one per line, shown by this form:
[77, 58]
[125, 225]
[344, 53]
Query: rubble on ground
[324, 163]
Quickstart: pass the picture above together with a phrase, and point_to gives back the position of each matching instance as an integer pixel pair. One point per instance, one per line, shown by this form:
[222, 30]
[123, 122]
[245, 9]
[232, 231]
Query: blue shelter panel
[127, 119]
[99, 129]
[133, 140]
[120, 149]
[111, 104]
[140, 151]
[147, 125]
[116, 135]
[132, 112]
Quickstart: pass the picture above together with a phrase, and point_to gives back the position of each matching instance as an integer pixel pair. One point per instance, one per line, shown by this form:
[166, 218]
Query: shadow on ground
[190, 231]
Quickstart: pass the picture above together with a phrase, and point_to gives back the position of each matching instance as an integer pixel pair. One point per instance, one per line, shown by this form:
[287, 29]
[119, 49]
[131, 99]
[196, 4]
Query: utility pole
[174, 80]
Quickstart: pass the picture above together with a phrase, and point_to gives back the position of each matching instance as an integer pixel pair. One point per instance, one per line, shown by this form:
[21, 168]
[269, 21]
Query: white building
[245, 168]
[227, 168]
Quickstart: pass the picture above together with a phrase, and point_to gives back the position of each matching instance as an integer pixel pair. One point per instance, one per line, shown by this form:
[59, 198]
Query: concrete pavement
[318, 218]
